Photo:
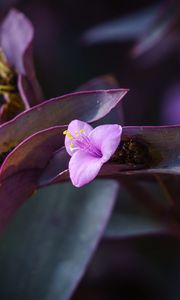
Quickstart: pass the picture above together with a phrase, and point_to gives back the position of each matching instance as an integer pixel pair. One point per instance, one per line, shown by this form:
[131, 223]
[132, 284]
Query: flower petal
[76, 126]
[83, 168]
[106, 138]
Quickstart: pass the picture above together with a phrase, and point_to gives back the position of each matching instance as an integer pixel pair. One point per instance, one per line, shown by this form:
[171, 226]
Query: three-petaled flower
[89, 149]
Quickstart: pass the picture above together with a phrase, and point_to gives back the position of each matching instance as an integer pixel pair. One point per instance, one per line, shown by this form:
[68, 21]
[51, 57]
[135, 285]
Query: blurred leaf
[123, 29]
[133, 217]
[16, 41]
[46, 248]
[127, 225]
[170, 112]
[164, 30]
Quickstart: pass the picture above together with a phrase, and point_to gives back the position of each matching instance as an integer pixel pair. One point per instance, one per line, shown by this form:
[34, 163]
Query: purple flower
[89, 149]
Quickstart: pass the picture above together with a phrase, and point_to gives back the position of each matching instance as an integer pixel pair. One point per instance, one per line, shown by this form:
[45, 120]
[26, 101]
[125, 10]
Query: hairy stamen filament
[82, 142]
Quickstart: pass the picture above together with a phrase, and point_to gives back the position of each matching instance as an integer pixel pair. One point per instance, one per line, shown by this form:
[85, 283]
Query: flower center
[82, 142]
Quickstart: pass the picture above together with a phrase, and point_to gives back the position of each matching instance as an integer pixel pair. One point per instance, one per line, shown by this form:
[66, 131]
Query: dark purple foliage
[49, 229]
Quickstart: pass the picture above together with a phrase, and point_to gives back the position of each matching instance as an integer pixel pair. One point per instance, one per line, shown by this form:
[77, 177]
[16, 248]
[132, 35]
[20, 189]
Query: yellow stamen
[6, 89]
[82, 130]
[76, 133]
[71, 146]
[69, 136]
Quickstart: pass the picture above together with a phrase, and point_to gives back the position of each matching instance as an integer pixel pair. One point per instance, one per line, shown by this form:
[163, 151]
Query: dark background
[64, 62]
[145, 267]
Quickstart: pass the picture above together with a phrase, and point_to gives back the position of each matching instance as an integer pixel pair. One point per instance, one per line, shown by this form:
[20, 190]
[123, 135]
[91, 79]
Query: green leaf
[45, 250]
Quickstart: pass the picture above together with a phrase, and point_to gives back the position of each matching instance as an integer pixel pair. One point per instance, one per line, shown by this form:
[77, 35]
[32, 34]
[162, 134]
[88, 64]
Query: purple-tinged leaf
[170, 111]
[156, 30]
[31, 156]
[29, 90]
[56, 172]
[86, 106]
[142, 208]
[68, 228]
[163, 31]
[14, 191]
[16, 38]
[125, 28]
[34, 152]
[170, 185]
[163, 146]
[155, 214]
[156, 148]
[104, 83]
[57, 167]
[127, 224]
[36, 149]
[124, 225]
[160, 154]
[149, 55]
